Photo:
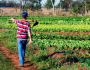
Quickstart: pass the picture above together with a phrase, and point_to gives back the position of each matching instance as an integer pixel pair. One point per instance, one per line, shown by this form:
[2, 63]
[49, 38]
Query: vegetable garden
[63, 42]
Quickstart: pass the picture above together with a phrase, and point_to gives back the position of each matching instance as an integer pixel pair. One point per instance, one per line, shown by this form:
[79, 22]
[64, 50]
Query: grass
[40, 59]
[5, 64]
[1, 24]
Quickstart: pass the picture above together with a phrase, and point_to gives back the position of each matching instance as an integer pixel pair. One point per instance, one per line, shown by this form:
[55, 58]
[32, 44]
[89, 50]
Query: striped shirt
[22, 29]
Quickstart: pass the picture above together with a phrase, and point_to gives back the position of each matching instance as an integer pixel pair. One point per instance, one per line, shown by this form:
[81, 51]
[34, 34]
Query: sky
[44, 1]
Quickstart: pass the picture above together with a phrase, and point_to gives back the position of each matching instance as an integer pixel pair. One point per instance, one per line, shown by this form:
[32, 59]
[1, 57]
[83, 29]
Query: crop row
[55, 20]
[50, 18]
[57, 28]
[60, 22]
[61, 43]
[64, 22]
[58, 36]
[54, 27]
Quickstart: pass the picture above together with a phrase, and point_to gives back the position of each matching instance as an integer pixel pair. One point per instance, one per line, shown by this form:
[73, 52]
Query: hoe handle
[26, 20]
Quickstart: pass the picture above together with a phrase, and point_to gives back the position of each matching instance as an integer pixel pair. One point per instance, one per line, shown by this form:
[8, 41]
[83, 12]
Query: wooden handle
[9, 19]
[26, 20]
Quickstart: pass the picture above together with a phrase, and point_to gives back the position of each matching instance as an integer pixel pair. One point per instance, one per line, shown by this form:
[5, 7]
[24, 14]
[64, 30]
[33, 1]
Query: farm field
[5, 64]
[59, 43]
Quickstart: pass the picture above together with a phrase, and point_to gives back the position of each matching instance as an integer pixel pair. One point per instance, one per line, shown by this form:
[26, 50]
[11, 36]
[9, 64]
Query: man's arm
[29, 33]
[15, 21]
[12, 19]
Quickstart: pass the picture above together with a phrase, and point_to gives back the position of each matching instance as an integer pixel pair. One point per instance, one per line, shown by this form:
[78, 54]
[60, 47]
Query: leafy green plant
[58, 36]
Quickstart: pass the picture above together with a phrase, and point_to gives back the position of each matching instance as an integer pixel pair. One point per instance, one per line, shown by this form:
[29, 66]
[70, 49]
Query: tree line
[23, 4]
[8, 4]
[77, 6]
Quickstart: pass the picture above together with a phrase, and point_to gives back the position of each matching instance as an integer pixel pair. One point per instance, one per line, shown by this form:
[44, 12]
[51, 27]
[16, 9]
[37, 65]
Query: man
[23, 29]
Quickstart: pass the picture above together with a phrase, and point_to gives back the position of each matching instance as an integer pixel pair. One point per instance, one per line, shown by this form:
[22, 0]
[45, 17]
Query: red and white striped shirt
[22, 29]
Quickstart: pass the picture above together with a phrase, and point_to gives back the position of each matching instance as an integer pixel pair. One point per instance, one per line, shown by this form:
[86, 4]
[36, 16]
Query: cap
[24, 14]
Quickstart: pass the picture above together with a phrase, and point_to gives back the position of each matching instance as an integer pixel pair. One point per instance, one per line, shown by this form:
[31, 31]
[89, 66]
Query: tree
[87, 5]
[48, 4]
[65, 4]
[53, 4]
[60, 4]
[75, 3]
[30, 4]
[78, 8]
[81, 6]
[8, 3]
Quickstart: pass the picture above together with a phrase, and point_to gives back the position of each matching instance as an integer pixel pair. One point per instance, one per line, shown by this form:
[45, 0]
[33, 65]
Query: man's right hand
[30, 42]
[12, 19]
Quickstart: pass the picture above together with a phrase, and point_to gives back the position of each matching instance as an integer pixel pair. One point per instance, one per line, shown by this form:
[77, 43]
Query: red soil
[56, 54]
[2, 29]
[15, 61]
[81, 68]
[67, 33]
[66, 61]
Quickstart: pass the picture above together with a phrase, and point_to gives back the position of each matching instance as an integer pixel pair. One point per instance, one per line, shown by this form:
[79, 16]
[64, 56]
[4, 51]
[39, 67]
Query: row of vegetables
[48, 18]
[61, 22]
[55, 20]
[62, 43]
[59, 28]
[59, 36]
[54, 27]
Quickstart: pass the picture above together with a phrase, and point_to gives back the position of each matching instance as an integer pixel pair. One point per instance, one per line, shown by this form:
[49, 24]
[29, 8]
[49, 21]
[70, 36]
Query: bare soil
[81, 68]
[58, 54]
[15, 60]
[67, 33]
[2, 29]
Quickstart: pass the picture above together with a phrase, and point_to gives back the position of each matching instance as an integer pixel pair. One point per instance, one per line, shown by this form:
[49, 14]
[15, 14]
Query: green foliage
[45, 42]
[58, 36]
[48, 4]
[65, 4]
[61, 43]
[79, 7]
[63, 28]
[55, 24]
[32, 4]
[1, 26]
[9, 4]
[5, 64]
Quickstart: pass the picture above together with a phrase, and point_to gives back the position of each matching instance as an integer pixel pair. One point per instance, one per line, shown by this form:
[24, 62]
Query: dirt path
[62, 33]
[67, 33]
[2, 29]
[14, 59]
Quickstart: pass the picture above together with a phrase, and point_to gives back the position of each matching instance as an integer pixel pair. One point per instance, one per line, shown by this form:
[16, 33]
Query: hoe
[36, 23]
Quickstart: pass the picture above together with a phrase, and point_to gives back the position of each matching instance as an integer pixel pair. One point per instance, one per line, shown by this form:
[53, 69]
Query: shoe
[21, 65]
